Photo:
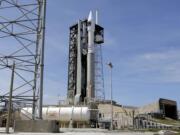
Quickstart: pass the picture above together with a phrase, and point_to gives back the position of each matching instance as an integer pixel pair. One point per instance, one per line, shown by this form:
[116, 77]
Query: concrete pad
[166, 132]
[79, 132]
[36, 126]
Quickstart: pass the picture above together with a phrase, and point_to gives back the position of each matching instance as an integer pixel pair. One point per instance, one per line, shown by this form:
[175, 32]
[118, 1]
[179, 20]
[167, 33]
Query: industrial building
[85, 116]
[161, 108]
[122, 115]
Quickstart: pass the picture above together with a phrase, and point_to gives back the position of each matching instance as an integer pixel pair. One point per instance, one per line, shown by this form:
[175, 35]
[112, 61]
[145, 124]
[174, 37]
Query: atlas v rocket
[84, 36]
[90, 57]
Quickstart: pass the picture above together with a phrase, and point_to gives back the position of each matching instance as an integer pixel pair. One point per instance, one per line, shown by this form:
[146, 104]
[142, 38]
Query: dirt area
[79, 132]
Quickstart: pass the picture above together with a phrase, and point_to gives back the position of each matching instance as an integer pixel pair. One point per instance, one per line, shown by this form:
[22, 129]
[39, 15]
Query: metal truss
[72, 66]
[78, 35]
[99, 76]
[22, 35]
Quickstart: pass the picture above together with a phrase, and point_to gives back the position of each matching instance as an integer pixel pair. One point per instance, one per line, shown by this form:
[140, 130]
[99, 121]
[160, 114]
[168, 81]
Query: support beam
[10, 100]
[42, 59]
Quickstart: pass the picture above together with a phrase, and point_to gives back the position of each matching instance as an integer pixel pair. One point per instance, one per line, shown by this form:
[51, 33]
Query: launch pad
[84, 37]
[85, 106]
[81, 108]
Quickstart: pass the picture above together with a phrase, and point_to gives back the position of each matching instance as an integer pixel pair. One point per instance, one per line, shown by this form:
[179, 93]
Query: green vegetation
[168, 121]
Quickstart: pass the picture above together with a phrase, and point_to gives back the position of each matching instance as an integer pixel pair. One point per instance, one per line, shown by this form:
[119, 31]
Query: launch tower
[83, 39]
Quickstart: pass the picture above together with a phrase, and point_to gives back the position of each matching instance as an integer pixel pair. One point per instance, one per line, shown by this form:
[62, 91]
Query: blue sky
[142, 39]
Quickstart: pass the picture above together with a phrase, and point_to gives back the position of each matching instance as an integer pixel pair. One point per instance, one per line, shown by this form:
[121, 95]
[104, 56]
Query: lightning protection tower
[22, 37]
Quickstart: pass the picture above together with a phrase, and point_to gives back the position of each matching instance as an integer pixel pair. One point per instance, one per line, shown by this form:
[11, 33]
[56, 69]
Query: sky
[142, 40]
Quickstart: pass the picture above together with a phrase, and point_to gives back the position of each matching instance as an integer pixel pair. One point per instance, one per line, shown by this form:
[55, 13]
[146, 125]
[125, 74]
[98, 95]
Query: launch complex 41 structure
[22, 31]
[85, 37]
[84, 89]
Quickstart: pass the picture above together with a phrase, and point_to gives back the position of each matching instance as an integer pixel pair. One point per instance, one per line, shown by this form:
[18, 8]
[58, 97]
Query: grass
[168, 121]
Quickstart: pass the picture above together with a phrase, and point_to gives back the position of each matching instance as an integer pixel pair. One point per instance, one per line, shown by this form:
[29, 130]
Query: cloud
[162, 66]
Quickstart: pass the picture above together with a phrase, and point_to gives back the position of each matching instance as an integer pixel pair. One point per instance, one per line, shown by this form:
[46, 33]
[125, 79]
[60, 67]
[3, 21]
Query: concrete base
[36, 126]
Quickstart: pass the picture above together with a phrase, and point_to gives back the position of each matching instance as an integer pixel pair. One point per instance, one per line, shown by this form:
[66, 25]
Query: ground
[80, 132]
[83, 131]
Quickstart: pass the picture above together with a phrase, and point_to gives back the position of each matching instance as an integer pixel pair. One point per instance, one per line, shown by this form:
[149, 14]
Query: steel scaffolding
[77, 66]
[99, 75]
[22, 36]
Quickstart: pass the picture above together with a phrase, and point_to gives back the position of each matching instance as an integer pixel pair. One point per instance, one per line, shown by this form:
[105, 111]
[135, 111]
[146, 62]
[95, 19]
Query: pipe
[63, 114]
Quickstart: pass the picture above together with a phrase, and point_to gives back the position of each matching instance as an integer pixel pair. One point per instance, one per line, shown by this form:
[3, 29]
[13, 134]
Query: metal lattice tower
[78, 36]
[72, 66]
[79, 92]
[22, 35]
[99, 76]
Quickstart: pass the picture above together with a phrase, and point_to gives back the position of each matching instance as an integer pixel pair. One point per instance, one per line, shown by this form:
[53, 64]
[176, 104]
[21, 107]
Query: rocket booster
[90, 57]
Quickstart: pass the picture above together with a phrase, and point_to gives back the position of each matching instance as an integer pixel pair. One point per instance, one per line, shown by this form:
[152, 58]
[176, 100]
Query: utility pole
[10, 100]
[111, 66]
[133, 113]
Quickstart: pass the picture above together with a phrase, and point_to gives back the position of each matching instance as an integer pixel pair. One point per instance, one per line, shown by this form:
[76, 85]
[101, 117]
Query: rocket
[90, 57]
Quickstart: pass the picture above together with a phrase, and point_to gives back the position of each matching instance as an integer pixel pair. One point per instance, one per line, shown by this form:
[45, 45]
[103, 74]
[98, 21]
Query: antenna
[97, 13]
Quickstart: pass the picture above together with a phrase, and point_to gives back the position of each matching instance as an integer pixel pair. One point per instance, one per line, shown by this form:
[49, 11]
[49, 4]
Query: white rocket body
[90, 57]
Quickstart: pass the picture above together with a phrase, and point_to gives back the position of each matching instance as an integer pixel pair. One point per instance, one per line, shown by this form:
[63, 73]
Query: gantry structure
[22, 37]
[78, 89]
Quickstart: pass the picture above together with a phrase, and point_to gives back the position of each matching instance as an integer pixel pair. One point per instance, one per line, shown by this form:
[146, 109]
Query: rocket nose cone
[90, 18]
